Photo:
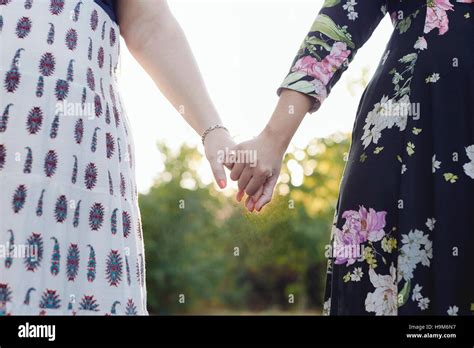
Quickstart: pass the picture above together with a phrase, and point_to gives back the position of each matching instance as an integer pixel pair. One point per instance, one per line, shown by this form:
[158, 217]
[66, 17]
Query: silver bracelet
[210, 129]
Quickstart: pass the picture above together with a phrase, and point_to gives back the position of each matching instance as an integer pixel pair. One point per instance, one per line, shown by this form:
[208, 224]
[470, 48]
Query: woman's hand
[218, 143]
[258, 175]
[258, 178]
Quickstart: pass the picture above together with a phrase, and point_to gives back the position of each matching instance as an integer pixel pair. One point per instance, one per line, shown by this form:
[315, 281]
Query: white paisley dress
[70, 232]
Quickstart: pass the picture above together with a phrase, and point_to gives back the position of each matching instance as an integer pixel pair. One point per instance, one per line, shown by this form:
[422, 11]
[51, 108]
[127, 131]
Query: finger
[240, 195]
[266, 197]
[245, 178]
[219, 174]
[254, 185]
[250, 204]
[258, 194]
[229, 165]
[236, 171]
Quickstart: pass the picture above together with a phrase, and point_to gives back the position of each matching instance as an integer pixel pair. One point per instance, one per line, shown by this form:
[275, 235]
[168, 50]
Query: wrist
[217, 129]
[276, 138]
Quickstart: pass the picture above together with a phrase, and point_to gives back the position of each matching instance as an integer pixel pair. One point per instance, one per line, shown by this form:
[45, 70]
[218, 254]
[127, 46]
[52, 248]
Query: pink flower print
[320, 90]
[371, 223]
[325, 69]
[443, 4]
[360, 226]
[346, 247]
[306, 65]
[437, 17]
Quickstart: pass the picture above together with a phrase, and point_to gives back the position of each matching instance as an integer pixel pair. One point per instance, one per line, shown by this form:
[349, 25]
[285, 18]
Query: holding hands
[256, 164]
[167, 58]
[257, 179]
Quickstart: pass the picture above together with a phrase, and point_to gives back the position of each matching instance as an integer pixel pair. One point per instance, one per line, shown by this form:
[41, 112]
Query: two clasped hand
[256, 164]
[257, 176]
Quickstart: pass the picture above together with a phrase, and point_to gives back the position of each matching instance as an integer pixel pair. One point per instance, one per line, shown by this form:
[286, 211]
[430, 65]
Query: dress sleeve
[340, 29]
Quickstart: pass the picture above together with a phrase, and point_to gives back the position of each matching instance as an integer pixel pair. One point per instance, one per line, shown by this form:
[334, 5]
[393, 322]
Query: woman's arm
[338, 32]
[158, 43]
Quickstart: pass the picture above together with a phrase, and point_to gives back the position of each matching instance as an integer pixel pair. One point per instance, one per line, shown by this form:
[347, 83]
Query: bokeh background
[199, 242]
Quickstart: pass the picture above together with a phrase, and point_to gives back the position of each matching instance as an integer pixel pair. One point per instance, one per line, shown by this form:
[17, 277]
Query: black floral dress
[403, 234]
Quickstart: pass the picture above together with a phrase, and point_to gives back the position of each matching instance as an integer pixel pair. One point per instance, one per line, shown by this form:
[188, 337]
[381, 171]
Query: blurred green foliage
[203, 245]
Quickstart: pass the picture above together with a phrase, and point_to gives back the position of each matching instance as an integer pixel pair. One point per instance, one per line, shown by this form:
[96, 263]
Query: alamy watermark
[17, 251]
[66, 108]
[392, 108]
[237, 156]
[344, 251]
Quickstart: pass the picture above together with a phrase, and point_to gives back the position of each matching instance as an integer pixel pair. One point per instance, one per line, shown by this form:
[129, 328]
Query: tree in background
[203, 245]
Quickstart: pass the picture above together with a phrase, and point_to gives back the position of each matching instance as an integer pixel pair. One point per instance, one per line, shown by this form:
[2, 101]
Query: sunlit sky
[244, 49]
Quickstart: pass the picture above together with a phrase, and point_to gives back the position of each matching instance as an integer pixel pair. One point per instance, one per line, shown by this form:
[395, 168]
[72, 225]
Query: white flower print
[406, 266]
[421, 44]
[353, 16]
[414, 238]
[401, 111]
[430, 223]
[433, 78]
[372, 135]
[416, 248]
[416, 295]
[469, 167]
[453, 310]
[397, 112]
[427, 254]
[397, 77]
[424, 303]
[327, 307]
[404, 168]
[350, 5]
[436, 164]
[383, 301]
[357, 275]
[350, 8]
[386, 114]
[470, 152]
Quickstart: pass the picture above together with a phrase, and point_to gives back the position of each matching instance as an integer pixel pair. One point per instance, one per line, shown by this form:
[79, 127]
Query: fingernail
[250, 206]
[221, 183]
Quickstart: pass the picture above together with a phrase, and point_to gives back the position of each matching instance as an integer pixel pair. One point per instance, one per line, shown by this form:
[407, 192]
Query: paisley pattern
[70, 199]
[396, 239]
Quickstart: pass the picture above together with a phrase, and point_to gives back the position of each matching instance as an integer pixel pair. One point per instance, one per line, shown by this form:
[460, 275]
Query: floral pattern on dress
[396, 237]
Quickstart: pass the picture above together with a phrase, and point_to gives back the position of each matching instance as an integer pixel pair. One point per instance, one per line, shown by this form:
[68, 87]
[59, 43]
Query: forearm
[286, 119]
[166, 56]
